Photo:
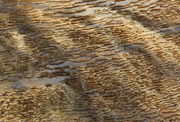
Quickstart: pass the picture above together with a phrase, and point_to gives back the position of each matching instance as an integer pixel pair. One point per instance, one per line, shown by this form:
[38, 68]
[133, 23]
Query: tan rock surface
[89, 60]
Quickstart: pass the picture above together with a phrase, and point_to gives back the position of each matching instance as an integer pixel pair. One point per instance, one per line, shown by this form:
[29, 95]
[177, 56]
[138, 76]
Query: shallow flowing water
[122, 54]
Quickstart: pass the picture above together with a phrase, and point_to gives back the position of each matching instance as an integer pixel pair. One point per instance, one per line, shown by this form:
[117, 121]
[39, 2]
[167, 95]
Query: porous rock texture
[120, 59]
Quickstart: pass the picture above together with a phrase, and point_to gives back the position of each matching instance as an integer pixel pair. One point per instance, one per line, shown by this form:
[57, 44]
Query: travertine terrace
[89, 61]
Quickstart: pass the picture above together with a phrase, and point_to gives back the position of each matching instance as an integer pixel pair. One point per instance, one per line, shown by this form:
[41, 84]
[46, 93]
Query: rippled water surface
[119, 53]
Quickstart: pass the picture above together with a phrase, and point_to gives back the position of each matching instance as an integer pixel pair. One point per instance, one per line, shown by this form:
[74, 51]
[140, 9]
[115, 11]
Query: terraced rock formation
[89, 60]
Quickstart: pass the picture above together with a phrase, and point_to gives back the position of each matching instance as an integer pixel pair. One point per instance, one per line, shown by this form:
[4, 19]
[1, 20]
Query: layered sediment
[82, 60]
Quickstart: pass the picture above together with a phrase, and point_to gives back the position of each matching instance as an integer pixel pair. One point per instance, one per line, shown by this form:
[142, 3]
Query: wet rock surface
[89, 60]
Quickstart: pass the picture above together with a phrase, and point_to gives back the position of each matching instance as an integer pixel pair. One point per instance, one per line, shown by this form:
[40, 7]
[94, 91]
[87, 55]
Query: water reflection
[117, 57]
